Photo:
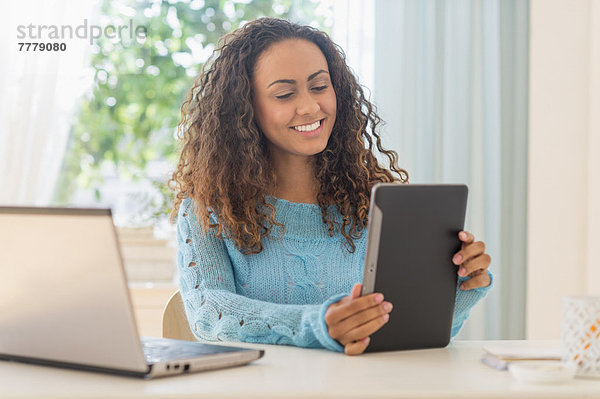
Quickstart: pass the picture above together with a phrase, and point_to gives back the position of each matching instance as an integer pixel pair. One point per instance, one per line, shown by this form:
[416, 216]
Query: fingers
[364, 330]
[466, 237]
[361, 324]
[356, 291]
[352, 319]
[481, 262]
[348, 307]
[357, 347]
[473, 262]
[469, 251]
[480, 280]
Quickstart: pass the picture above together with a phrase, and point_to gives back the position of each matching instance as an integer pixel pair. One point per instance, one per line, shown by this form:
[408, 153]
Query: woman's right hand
[354, 318]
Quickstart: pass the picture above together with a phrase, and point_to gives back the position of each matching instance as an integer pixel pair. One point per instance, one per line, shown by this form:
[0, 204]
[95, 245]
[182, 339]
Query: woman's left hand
[472, 261]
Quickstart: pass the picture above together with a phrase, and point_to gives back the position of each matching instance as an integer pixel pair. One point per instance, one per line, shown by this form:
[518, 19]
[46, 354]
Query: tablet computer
[413, 235]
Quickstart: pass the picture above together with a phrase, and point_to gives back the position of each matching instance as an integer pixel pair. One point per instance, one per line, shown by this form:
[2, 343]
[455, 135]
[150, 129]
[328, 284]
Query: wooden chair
[174, 322]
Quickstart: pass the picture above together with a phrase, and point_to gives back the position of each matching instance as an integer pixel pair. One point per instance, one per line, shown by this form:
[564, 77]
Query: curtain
[38, 93]
[450, 80]
[354, 31]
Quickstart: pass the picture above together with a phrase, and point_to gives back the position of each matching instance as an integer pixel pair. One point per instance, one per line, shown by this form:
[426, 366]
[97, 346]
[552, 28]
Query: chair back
[174, 323]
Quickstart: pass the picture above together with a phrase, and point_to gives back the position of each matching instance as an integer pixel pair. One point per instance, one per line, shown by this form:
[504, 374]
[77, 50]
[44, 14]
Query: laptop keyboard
[159, 350]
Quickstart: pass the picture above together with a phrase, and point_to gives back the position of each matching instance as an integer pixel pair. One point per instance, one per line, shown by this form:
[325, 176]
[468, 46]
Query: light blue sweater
[280, 295]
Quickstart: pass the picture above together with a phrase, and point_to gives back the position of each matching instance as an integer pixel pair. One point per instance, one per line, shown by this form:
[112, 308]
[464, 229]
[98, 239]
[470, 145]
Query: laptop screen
[63, 290]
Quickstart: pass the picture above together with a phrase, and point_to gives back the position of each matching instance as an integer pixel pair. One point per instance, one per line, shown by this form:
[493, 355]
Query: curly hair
[225, 166]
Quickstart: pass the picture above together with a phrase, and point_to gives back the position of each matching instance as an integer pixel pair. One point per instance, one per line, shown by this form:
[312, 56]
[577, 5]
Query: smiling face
[294, 100]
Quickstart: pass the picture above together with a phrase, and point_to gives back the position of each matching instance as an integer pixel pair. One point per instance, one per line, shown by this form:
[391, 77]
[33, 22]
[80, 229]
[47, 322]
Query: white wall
[593, 227]
[564, 168]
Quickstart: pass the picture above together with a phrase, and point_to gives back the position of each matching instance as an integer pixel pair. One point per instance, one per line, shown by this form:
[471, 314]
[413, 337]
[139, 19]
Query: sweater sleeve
[465, 300]
[216, 313]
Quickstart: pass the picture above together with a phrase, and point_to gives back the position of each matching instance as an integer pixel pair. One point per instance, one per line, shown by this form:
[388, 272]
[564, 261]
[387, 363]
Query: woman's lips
[310, 133]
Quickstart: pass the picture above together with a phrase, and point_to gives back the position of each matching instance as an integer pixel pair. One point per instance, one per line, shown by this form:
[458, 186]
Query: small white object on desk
[542, 371]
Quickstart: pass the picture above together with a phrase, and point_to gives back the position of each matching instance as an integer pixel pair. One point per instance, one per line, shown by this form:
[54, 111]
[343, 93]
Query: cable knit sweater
[280, 295]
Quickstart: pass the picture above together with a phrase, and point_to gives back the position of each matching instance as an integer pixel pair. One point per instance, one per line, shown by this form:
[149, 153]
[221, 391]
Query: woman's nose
[307, 105]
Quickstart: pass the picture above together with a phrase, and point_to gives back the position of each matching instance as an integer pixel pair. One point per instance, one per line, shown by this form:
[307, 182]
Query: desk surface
[288, 372]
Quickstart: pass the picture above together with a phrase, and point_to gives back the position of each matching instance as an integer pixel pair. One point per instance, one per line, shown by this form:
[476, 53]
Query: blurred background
[502, 95]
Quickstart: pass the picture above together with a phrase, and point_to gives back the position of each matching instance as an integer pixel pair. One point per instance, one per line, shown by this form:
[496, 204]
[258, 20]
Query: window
[115, 146]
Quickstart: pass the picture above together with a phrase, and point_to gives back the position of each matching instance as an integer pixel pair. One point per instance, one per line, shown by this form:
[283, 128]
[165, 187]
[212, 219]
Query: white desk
[288, 372]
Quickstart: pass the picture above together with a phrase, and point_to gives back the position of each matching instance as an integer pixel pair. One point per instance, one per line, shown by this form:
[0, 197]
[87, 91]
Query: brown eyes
[288, 95]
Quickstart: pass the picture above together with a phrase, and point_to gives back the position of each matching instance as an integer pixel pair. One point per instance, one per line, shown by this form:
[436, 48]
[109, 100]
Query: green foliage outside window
[130, 116]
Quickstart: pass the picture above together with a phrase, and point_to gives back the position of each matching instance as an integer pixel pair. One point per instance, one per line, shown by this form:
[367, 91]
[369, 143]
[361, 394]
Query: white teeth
[308, 128]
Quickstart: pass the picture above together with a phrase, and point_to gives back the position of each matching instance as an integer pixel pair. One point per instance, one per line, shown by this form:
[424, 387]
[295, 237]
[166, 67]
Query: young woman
[272, 196]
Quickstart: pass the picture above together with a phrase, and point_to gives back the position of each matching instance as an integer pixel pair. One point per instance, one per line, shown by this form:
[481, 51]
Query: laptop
[64, 300]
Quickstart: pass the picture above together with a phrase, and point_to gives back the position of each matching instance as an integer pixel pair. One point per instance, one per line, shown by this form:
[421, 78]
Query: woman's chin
[315, 149]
